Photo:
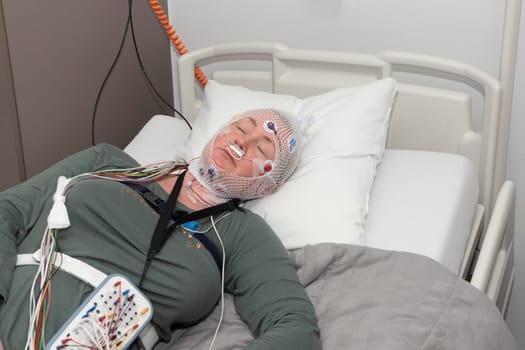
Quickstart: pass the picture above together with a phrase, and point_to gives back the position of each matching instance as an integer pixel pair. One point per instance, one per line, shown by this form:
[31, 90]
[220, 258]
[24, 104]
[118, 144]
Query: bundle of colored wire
[40, 301]
[144, 173]
[141, 174]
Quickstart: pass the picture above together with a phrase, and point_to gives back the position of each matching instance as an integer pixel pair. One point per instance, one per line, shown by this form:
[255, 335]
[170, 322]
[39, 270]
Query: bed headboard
[423, 117]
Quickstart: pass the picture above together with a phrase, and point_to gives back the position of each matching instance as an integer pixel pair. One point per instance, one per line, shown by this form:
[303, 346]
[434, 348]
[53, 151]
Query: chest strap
[73, 266]
[169, 219]
[157, 204]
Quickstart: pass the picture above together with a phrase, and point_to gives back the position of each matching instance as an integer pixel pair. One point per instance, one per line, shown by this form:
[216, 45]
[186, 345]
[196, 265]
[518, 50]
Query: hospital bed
[440, 188]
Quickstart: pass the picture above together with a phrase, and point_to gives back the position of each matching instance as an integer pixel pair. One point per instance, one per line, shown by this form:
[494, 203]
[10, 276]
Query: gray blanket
[373, 299]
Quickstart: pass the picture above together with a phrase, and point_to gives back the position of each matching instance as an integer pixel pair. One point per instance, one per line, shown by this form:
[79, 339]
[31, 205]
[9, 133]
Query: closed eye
[261, 150]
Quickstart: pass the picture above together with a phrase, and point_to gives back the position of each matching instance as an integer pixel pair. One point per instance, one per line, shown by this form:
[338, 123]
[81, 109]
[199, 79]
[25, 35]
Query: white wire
[46, 249]
[207, 229]
[30, 329]
[91, 335]
[222, 282]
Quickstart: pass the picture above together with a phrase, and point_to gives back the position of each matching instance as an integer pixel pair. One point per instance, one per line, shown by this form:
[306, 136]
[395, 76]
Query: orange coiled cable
[174, 38]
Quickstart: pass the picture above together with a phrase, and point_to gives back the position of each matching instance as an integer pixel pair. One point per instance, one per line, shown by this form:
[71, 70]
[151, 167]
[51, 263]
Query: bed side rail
[493, 272]
[471, 251]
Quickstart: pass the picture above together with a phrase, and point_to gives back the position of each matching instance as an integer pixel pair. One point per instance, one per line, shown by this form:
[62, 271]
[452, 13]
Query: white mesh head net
[267, 140]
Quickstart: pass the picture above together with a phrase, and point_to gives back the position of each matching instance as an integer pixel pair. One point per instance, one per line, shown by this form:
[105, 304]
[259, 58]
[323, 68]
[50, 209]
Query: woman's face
[244, 148]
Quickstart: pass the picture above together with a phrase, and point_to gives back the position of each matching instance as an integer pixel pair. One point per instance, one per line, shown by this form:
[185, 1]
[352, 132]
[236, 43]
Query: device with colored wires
[111, 317]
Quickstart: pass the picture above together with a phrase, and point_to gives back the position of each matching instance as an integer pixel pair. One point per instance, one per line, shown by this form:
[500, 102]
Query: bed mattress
[421, 202]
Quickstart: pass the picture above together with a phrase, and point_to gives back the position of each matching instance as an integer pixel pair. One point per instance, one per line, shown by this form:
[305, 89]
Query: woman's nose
[240, 142]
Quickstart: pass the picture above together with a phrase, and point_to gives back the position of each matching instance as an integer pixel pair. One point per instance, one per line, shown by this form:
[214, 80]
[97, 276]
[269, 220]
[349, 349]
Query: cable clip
[58, 217]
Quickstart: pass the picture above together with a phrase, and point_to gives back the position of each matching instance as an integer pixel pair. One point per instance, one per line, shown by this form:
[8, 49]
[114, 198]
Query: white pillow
[161, 138]
[326, 199]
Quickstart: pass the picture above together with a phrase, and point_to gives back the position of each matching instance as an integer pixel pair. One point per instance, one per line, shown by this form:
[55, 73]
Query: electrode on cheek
[260, 166]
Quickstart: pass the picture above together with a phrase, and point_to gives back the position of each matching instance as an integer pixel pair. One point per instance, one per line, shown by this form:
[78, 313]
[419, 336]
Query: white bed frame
[423, 118]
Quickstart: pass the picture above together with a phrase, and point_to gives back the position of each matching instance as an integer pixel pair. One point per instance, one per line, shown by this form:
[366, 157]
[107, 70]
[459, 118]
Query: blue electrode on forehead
[269, 126]
[272, 173]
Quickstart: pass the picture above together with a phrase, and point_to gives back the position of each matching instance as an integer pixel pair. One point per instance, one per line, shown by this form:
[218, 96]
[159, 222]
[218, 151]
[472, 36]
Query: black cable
[129, 23]
[130, 19]
[58, 252]
[93, 117]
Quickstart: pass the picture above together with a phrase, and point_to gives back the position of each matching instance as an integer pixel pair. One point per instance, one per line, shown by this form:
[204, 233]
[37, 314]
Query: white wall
[466, 30]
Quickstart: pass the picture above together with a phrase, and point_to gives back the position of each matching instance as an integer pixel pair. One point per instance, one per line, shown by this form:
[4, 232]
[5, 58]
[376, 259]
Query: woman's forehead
[267, 121]
[247, 120]
[259, 114]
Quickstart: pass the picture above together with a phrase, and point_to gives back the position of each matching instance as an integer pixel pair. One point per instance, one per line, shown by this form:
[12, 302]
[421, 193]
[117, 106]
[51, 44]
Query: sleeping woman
[111, 228]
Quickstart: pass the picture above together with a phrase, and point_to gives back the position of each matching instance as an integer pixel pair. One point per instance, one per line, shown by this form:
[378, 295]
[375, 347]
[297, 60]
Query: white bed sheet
[405, 213]
[423, 202]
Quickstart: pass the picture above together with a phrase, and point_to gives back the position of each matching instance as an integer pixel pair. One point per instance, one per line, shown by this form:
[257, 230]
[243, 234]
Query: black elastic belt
[170, 219]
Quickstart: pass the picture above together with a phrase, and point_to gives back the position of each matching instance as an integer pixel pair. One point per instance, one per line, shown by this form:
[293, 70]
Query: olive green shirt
[111, 228]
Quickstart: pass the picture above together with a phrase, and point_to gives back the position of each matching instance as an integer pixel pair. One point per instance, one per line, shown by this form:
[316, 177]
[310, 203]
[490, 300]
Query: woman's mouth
[223, 158]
